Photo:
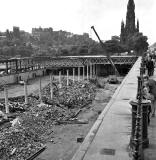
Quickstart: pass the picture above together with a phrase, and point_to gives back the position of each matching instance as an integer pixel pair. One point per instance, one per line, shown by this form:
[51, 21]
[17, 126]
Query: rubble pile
[17, 143]
[31, 130]
[14, 107]
[77, 94]
[27, 135]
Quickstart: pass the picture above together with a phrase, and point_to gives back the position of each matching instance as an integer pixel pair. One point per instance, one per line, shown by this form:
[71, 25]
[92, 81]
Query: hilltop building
[38, 32]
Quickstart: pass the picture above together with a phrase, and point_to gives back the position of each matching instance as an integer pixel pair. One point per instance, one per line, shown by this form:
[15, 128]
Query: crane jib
[107, 54]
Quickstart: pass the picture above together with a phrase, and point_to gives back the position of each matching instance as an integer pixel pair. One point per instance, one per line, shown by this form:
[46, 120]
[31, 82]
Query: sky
[77, 16]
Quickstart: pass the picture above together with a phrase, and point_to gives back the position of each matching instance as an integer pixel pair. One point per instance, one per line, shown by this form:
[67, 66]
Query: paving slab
[109, 137]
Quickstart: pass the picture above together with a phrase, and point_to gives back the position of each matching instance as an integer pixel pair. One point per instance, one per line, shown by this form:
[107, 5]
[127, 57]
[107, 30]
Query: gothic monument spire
[129, 28]
[130, 18]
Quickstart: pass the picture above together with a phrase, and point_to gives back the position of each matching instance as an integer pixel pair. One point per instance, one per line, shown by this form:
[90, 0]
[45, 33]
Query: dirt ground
[62, 141]
[16, 90]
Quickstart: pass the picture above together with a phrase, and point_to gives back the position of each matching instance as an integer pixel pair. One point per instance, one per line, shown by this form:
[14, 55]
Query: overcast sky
[77, 16]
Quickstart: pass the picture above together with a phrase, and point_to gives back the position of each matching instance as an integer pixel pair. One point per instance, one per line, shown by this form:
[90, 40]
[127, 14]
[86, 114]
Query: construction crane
[107, 54]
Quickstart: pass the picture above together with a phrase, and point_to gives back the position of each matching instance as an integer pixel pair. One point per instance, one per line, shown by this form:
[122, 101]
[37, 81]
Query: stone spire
[130, 18]
[122, 35]
[137, 27]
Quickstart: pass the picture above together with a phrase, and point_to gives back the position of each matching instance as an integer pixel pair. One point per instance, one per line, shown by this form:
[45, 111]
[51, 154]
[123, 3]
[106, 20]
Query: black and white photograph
[77, 80]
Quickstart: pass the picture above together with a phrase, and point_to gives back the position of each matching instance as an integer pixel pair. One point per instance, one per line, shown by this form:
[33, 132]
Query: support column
[96, 70]
[90, 70]
[87, 72]
[73, 75]
[25, 92]
[60, 79]
[93, 70]
[67, 77]
[6, 99]
[40, 89]
[7, 67]
[78, 74]
[51, 86]
[10, 66]
[83, 72]
[16, 65]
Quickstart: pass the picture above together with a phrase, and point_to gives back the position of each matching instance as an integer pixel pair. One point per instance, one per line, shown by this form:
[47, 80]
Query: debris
[13, 151]
[37, 153]
[113, 79]
[31, 128]
[2, 115]
[75, 121]
[80, 139]
[15, 122]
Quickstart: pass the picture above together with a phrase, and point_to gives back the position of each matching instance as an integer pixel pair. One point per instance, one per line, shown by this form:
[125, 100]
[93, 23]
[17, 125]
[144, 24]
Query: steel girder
[72, 61]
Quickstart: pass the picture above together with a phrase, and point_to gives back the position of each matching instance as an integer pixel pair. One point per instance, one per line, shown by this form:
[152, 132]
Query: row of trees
[136, 43]
[15, 47]
[65, 43]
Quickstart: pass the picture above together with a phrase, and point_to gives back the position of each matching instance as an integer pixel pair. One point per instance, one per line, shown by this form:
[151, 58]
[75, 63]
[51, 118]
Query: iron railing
[137, 147]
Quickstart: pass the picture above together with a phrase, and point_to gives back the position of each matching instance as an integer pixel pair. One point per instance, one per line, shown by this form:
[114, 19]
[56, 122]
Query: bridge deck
[18, 65]
[109, 137]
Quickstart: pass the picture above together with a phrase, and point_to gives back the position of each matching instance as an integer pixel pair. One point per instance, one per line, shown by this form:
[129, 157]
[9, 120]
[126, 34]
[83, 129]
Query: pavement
[109, 137]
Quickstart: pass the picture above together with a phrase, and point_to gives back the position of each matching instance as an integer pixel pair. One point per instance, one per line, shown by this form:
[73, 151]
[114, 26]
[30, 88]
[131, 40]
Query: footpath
[109, 137]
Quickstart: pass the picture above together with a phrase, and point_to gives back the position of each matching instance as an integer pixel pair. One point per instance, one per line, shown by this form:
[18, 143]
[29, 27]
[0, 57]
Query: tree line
[56, 43]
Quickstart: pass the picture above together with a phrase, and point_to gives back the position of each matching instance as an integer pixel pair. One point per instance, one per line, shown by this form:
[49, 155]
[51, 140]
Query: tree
[82, 50]
[138, 43]
[114, 46]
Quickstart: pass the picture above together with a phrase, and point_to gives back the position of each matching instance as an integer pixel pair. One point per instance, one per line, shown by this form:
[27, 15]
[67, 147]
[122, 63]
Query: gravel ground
[63, 140]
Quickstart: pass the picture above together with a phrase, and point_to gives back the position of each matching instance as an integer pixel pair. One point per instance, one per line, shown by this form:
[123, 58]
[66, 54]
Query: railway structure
[16, 69]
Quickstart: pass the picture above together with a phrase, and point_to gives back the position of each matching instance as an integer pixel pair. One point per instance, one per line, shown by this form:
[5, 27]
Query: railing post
[140, 108]
[145, 106]
[136, 139]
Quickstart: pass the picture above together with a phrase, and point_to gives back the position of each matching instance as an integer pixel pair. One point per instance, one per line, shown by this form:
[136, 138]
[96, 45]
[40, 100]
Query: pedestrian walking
[150, 66]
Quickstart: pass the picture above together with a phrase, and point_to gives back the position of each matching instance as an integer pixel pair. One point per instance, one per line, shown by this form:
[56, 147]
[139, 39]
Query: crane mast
[107, 54]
